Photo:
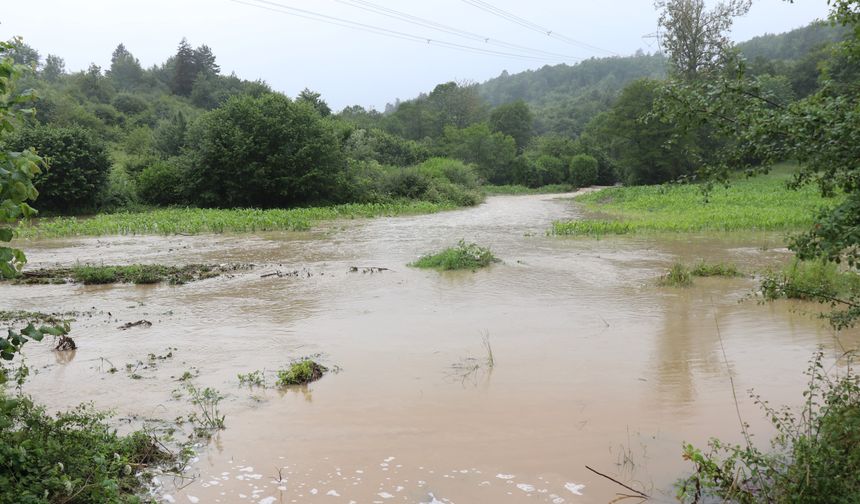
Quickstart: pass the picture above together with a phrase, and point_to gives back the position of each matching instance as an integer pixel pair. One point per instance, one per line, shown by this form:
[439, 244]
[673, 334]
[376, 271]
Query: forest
[126, 137]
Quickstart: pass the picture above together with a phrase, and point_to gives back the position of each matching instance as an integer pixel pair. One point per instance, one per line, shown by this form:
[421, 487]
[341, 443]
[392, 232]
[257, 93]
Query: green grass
[520, 189]
[300, 373]
[134, 274]
[763, 203]
[169, 221]
[703, 269]
[461, 257]
[677, 276]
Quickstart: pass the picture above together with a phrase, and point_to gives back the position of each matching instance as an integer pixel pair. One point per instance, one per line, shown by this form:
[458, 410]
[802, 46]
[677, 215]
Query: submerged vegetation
[763, 203]
[134, 274]
[677, 276]
[817, 281]
[721, 269]
[461, 257]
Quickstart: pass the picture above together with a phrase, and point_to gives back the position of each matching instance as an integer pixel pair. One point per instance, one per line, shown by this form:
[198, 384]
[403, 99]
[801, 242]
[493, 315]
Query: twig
[637, 492]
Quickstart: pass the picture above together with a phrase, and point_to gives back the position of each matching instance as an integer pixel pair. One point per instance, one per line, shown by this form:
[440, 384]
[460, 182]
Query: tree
[22, 54]
[492, 153]
[582, 170]
[314, 100]
[54, 68]
[263, 152]
[516, 120]
[184, 69]
[125, 70]
[78, 166]
[646, 151]
[204, 62]
[694, 38]
[17, 167]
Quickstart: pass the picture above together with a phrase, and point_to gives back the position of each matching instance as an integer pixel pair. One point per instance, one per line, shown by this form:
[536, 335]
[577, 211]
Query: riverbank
[762, 203]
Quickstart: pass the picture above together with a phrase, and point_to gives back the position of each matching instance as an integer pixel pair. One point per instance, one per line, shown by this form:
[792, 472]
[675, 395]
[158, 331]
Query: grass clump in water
[677, 276]
[704, 269]
[763, 203]
[461, 257]
[300, 373]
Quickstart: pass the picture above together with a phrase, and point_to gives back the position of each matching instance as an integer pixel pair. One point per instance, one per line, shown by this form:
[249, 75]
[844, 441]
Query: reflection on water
[594, 364]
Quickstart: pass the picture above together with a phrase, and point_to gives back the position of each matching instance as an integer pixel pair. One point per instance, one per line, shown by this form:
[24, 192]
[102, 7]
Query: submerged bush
[815, 455]
[300, 373]
[463, 256]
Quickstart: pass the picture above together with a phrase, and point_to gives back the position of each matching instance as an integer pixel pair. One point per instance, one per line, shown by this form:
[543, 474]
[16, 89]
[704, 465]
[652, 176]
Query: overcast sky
[346, 65]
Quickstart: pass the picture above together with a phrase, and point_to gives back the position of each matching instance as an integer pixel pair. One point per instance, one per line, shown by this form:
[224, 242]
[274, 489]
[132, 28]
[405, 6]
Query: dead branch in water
[637, 492]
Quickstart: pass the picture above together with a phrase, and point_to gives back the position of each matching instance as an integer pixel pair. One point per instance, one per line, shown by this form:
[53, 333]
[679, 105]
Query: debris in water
[367, 269]
[140, 323]
[65, 343]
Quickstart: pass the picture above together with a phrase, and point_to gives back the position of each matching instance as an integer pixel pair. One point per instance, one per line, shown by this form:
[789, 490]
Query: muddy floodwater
[594, 364]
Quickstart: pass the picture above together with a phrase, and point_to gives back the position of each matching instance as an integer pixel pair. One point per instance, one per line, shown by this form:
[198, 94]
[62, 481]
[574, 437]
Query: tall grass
[169, 221]
[762, 203]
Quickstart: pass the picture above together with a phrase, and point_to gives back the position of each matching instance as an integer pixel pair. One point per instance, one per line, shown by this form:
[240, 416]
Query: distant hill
[793, 45]
[565, 97]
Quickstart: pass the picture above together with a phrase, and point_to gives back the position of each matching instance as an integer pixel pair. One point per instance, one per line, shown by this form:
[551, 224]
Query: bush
[78, 166]
[406, 183]
[452, 170]
[129, 104]
[264, 152]
[582, 171]
[161, 183]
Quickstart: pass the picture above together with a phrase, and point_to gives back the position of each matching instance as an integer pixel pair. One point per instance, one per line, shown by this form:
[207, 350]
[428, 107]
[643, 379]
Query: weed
[677, 276]
[462, 257]
[301, 372]
[207, 418]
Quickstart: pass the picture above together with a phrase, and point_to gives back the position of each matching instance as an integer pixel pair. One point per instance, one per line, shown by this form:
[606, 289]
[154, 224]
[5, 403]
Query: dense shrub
[120, 192]
[129, 104]
[452, 170]
[78, 166]
[264, 152]
[161, 183]
[582, 171]
[75, 457]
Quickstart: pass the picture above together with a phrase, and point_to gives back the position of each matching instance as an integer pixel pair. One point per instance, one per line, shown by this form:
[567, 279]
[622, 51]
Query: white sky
[348, 66]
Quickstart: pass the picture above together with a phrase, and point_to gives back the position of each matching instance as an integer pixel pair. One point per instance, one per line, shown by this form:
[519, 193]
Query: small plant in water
[207, 418]
[252, 379]
[301, 372]
[462, 257]
[677, 276]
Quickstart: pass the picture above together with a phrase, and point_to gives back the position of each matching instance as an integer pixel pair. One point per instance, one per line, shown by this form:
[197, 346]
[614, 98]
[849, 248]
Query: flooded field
[594, 364]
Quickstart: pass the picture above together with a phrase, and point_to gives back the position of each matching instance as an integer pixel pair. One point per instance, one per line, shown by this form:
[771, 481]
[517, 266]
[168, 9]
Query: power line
[324, 18]
[534, 26]
[409, 18]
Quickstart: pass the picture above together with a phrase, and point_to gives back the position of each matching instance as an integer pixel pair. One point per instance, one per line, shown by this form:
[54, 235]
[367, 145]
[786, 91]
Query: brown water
[594, 363]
